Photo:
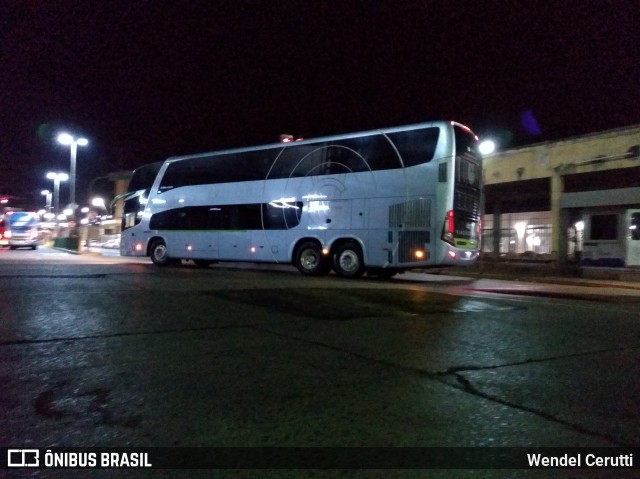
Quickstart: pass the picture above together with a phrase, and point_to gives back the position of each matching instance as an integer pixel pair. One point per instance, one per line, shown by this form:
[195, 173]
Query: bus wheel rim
[160, 252]
[349, 261]
[309, 259]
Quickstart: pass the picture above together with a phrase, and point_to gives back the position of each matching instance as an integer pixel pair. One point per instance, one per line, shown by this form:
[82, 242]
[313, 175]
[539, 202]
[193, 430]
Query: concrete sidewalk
[547, 272]
[545, 280]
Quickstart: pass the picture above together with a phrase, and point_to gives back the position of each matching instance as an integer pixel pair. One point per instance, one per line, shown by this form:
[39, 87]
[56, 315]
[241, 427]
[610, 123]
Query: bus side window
[282, 216]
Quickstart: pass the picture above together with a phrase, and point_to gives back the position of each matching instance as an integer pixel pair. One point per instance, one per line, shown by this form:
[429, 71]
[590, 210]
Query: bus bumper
[460, 257]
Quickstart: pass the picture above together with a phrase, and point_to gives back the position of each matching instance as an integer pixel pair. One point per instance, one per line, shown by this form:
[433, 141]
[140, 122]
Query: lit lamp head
[487, 147]
[67, 139]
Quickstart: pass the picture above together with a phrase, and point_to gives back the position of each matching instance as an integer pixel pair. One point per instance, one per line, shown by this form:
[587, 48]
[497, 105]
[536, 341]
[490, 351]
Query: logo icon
[23, 458]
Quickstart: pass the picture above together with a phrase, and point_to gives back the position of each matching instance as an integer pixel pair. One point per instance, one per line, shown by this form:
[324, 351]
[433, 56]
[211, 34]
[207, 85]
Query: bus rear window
[466, 142]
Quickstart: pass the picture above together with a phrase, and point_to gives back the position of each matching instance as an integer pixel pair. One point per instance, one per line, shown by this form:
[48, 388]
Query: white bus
[380, 202]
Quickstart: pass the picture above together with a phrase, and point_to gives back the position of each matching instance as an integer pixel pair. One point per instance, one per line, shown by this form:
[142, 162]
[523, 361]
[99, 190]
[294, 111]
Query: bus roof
[416, 126]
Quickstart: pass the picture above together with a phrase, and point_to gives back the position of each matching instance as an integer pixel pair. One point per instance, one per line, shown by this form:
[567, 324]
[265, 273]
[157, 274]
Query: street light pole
[57, 178]
[47, 205]
[66, 139]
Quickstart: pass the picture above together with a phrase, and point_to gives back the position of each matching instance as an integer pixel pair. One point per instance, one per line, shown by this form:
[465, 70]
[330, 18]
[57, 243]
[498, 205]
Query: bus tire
[309, 259]
[158, 253]
[348, 261]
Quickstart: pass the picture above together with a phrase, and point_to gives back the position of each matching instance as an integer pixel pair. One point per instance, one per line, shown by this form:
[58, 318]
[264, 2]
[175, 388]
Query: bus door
[633, 238]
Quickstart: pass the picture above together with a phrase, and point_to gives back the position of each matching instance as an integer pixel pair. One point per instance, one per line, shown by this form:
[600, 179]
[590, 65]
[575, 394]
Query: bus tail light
[449, 227]
[452, 254]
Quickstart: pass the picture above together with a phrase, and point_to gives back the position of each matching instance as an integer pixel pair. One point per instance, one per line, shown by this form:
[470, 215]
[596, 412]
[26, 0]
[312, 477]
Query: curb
[601, 298]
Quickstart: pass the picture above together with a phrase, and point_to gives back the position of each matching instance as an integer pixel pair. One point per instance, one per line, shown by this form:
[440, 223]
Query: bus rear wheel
[309, 260]
[159, 254]
[348, 261]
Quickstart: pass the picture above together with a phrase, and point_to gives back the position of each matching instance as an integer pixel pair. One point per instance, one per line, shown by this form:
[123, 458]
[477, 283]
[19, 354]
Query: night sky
[145, 80]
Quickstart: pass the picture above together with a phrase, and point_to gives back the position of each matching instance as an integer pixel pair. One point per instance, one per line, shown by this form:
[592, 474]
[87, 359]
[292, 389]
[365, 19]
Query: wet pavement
[529, 279]
[127, 354]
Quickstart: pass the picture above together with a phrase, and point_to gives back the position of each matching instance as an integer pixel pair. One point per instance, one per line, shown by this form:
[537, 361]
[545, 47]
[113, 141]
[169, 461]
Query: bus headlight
[137, 247]
[419, 254]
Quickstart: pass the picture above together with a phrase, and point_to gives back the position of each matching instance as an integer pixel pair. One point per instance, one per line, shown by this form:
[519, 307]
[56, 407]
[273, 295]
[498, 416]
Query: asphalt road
[112, 352]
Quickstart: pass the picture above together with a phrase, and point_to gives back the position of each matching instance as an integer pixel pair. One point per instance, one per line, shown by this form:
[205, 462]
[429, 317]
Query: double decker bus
[380, 202]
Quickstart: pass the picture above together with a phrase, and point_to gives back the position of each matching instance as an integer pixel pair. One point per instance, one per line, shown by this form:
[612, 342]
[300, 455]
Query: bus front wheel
[309, 259]
[159, 253]
[348, 261]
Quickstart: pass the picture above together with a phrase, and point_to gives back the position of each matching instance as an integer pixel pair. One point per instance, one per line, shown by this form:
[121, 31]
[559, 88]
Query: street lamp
[57, 178]
[99, 203]
[487, 147]
[67, 139]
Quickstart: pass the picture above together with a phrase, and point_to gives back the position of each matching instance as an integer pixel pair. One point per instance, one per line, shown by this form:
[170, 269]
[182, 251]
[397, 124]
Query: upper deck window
[349, 155]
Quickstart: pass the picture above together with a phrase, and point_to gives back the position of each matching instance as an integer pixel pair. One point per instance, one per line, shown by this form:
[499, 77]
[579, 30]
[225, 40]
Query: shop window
[604, 227]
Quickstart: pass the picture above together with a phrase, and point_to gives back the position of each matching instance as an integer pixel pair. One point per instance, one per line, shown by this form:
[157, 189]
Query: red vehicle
[4, 240]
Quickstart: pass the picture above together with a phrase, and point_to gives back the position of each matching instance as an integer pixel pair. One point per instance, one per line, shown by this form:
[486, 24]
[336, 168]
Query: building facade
[571, 200]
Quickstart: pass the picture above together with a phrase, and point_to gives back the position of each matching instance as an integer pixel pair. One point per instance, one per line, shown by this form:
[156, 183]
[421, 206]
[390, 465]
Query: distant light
[579, 226]
[68, 212]
[45, 192]
[487, 147]
[58, 176]
[98, 202]
[67, 139]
